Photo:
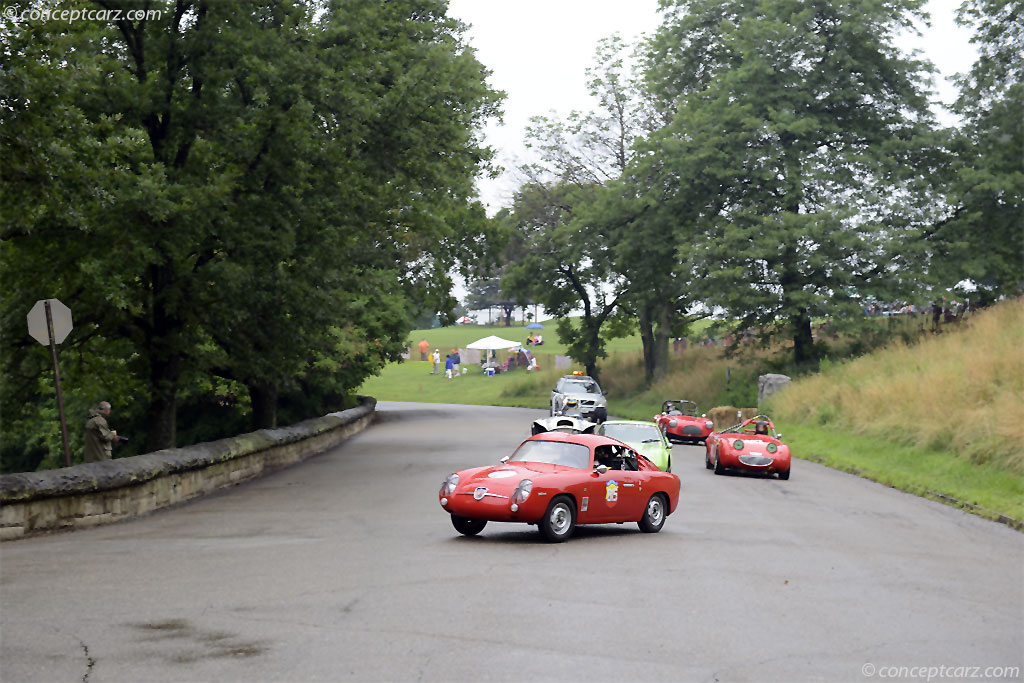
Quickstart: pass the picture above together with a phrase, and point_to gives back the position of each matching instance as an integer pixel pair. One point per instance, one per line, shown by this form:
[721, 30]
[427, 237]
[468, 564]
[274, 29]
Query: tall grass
[961, 391]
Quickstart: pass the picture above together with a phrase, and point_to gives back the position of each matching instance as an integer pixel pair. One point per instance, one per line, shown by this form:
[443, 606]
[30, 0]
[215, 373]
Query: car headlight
[737, 444]
[522, 492]
[671, 423]
[709, 425]
[772, 448]
[448, 487]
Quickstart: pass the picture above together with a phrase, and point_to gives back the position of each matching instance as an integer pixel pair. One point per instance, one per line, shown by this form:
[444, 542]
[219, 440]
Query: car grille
[756, 460]
[693, 430]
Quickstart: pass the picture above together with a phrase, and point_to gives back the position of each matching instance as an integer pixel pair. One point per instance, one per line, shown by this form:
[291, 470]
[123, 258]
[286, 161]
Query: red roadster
[752, 445]
[557, 480]
[680, 421]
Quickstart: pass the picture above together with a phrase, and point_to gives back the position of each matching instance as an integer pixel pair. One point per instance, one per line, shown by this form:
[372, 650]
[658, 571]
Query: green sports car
[643, 437]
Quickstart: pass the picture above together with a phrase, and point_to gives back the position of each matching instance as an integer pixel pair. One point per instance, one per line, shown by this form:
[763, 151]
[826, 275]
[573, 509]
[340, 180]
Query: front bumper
[494, 507]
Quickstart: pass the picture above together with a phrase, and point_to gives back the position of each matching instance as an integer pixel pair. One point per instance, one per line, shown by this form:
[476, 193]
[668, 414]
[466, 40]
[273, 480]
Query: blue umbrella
[535, 326]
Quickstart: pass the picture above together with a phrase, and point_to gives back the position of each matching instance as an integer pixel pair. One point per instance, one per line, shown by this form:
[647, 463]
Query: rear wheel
[654, 515]
[467, 526]
[558, 522]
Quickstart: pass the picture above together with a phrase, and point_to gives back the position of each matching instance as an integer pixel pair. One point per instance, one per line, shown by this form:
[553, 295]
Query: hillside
[961, 392]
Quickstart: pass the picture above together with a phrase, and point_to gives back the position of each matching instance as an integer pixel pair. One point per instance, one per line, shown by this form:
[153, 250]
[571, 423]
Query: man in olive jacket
[99, 438]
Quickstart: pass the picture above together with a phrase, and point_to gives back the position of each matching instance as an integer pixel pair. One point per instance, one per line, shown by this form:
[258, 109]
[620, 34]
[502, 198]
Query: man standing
[99, 438]
[456, 362]
[436, 357]
[424, 349]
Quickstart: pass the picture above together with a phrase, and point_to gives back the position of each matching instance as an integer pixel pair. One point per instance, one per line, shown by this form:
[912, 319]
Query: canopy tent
[492, 342]
[535, 326]
[464, 319]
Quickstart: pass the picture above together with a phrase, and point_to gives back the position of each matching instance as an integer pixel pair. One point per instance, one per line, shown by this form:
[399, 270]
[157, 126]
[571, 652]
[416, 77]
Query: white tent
[493, 342]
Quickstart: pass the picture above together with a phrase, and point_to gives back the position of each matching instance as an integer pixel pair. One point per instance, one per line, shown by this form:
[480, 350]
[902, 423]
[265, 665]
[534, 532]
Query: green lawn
[447, 338]
[412, 381]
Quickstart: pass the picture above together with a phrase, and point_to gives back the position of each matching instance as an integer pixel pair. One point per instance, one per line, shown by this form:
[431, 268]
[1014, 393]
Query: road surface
[346, 568]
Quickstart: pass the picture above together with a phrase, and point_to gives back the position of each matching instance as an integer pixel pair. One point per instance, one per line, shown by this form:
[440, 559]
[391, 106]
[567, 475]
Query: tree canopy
[775, 162]
[244, 203]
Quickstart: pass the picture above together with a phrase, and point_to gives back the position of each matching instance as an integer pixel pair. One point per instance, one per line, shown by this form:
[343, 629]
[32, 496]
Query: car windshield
[553, 452]
[582, 388]
[632, 433]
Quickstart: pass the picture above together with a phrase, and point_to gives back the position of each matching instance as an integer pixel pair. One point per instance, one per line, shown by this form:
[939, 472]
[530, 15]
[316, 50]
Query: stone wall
[97, 493]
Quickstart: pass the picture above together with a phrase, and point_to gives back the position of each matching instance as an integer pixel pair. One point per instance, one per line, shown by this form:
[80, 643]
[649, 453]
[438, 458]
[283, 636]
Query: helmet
[761, 427]
[571, 406]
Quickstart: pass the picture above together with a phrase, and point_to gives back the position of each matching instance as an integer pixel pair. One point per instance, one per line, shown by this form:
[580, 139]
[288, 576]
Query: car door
[616, 495]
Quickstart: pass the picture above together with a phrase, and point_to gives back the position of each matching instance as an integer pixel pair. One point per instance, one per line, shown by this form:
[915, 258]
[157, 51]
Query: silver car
[593, 405]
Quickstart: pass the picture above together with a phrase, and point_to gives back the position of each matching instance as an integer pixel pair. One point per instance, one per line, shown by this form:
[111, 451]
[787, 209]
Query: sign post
[49, 323]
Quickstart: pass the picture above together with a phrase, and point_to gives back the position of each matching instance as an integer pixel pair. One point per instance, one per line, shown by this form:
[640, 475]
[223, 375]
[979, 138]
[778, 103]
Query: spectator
[99, 437]
[436, 357]
[424, 349]
[456, 362]
[448, 366]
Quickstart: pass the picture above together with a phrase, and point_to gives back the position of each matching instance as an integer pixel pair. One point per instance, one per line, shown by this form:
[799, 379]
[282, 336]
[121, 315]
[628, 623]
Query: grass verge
[985, 490]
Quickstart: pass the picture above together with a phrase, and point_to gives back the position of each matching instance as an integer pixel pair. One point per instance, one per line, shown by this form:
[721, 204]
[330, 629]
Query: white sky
[538, 51]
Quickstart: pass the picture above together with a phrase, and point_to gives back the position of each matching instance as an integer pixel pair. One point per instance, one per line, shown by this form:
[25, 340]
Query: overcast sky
[538, 51]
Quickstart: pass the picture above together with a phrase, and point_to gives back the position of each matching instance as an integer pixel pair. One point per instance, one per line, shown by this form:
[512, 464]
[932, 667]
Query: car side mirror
[505, 459]
[604, 393]
[778, 435]
[704, 414]
[600, 469]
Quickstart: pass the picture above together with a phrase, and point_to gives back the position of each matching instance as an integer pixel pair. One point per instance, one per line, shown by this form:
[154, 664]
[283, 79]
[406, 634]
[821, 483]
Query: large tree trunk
[662, 329]
[162, 334]
[647, 338]
[263, 396]
[803, 341]
[161, 421]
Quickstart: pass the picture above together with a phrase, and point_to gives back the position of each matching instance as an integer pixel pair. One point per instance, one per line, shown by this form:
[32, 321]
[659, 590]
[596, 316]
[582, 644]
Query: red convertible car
[680, 421]
[752, 445]
[557, 480]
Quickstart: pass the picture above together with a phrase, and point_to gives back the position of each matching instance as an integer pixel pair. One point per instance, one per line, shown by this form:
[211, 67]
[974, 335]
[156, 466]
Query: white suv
[592, 402]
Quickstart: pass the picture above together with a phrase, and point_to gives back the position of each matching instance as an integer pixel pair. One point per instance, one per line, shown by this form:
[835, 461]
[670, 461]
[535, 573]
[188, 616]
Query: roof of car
[589, 440]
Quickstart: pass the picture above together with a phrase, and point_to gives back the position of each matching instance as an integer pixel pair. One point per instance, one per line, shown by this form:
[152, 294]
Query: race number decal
[611, 491]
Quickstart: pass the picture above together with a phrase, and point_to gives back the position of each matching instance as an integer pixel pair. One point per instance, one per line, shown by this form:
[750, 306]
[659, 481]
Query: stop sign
[59, 313]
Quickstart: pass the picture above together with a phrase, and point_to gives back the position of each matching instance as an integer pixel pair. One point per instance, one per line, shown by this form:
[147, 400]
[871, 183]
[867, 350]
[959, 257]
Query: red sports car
[752, 445]
[557, 480]
[680, 421]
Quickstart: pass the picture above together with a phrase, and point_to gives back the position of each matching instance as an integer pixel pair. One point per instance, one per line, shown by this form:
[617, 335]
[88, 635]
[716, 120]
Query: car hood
[588, 397]
[652, 451]
[687, 418]
[508, 475]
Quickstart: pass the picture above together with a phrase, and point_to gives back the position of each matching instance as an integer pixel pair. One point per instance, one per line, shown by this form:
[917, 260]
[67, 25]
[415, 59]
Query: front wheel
[558, 522]
[467, 526]
[654, 515]
[784, 474]
[719, 468]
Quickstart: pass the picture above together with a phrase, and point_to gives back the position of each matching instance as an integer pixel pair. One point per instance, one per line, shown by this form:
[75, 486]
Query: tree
[569, 213]
[795, 125]
[260, 192]
[565, 267]
[980, 238]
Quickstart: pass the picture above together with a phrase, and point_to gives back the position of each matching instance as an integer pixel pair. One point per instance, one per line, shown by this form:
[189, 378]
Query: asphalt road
[346, 568]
